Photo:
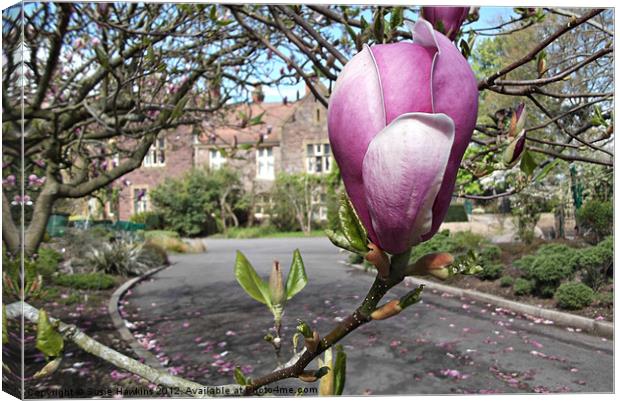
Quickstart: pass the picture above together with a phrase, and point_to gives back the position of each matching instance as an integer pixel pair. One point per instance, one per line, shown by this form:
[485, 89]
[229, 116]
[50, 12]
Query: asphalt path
[200, 324]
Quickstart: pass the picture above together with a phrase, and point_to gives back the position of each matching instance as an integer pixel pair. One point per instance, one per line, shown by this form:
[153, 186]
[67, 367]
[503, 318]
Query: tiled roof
[275, 115]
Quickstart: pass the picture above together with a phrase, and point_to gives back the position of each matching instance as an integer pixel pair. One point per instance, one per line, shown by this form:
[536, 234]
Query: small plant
[490, 271]
[604, 298]
[595, 263]
[86, 281]
[506, 281]
[574, 296]
[118, 257]
[522, 286]
[595, 220]
[46, 262]
[154, 255]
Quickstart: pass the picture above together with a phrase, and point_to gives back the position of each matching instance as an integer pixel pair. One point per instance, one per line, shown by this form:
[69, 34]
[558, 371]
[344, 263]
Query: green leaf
[240, 377]
[258, 119]
[249, 280]
[547, 169]
[297, 279]
[352, 227]
[340, 370]
[102, 57]
[378, 26]
[396, 18]
[528, 164]
[5, 332]
[49, 341]
[338, 239]
[178, 109]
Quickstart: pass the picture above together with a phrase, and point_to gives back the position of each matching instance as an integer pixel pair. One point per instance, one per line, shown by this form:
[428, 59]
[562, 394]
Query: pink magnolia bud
[447, 20]
[399, 120]
[9, 181]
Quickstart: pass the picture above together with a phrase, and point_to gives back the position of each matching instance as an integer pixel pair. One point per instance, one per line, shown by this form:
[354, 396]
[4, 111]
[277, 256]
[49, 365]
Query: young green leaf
[297, 278]
[352, 227]
[240, 377]
[338, 239]
[528, 164]
[340, 370]
[249, 280]
[49, 341]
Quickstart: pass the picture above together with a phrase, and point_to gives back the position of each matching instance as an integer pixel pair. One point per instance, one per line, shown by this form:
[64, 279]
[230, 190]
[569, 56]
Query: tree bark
[10, 232]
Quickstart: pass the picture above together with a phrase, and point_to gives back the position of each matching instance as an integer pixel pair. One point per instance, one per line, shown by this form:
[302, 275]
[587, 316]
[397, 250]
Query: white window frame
[265, 163]
[156, 156]
[216, 159]
[318, 158]
[143, 204]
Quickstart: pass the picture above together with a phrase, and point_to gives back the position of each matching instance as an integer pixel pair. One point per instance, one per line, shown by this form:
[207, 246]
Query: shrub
[604, 298]
[152, 220]
[456, 213]
[547, 273]
[154, 255]
[86, 281]
[595, 219]
[294, 207]
[563, 254]
[595, 264]
[250, 232]
[574, 296]
[47, 261]
[490, 271]
[188, 204]
[525, 264]
[170, 243]
[490, 253]
[117, 257]
[506, 281]
[522, 286]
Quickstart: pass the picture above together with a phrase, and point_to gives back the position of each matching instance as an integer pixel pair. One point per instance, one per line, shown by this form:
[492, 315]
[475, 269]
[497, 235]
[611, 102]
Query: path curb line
[604, 329]
[119, 322]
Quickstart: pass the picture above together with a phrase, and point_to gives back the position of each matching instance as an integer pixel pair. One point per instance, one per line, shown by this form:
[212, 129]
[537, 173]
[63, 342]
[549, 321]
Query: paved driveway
[200, 323]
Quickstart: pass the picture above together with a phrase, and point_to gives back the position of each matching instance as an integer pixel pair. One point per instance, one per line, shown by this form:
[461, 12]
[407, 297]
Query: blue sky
[489, 16]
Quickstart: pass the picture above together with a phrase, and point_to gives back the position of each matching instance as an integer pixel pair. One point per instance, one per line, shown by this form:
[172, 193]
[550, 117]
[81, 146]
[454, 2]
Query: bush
[167, 240]
[595, 265]
[525, 264]
[456, 213]
[522, 286]
[490, 253]
[120, 257]
[47, 261]
[506, 281]
[151, 220]
[86, 281]
[604, 298]
[490, 271]
[574, 296]
[547, 273]
[154, 255]
[457, 243]
[188, 204]
[250, 232]
[595, 219]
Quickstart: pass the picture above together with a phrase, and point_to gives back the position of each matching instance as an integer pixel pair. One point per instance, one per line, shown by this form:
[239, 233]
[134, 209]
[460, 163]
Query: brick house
[292, 138]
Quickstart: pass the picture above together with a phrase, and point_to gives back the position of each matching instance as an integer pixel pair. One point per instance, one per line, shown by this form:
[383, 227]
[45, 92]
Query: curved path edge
[604, 329]
[119, 323]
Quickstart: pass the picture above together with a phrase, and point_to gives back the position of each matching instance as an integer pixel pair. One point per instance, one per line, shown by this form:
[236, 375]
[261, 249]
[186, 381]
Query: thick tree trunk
[10, 232]
[40, 215]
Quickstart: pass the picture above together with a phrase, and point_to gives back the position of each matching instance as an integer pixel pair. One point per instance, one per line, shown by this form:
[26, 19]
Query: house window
[265, 163]
[156, 156]
[318, 158]
[140, 200]
[216, 159]
[263, 205]
[319, 204]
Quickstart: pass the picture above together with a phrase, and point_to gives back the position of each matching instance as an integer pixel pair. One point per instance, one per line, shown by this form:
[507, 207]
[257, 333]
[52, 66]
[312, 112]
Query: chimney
[314, 81]
[257, 94]
[214, 92]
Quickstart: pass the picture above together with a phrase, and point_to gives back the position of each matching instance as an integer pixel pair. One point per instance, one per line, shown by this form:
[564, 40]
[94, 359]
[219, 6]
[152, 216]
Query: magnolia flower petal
[356, 113]
[402, 171]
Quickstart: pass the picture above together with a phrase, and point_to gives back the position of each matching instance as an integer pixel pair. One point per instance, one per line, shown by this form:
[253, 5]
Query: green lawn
[265, 232]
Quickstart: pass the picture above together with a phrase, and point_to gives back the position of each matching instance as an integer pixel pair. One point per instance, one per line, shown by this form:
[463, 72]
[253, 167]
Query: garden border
[604, 329]
[119, 323]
